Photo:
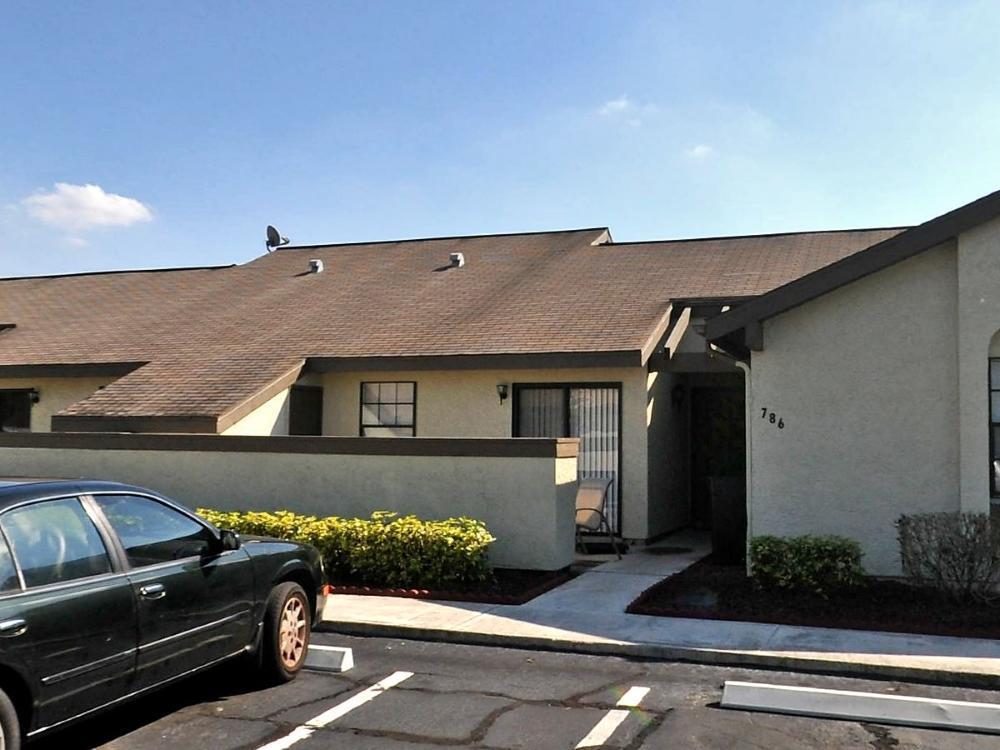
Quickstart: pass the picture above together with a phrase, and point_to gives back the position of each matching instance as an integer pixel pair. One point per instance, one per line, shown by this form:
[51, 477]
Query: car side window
[8, 573]
[152, 532]
[55, 541]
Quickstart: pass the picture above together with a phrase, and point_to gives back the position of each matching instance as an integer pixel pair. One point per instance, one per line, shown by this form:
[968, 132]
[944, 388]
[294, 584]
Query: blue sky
[198, 124]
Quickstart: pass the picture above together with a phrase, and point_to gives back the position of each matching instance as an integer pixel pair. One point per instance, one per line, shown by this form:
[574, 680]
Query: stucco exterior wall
[865, 379]
[54, 395]
[669, 502]
[978, 322]
[271, 418]
[464, 403]
[526, 501]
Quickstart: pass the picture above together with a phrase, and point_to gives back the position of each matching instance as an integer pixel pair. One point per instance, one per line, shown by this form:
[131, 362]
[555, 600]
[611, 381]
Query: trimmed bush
[955, 553]
[813, 564]
[384, 550]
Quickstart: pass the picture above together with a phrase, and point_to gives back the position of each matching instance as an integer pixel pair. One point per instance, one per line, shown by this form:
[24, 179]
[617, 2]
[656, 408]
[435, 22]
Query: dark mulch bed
[510, 586]
[712, 591]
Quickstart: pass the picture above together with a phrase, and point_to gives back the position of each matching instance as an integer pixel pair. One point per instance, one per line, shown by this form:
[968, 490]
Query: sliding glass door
[591, 412]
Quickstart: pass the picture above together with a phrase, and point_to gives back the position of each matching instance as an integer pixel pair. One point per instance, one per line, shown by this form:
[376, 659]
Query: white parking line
[613, 719]
[330, 715]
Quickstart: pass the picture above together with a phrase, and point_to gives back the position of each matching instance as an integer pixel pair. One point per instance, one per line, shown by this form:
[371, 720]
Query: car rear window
[55, 541]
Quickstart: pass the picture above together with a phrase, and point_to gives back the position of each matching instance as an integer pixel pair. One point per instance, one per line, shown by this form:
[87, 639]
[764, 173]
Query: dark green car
[108, 591]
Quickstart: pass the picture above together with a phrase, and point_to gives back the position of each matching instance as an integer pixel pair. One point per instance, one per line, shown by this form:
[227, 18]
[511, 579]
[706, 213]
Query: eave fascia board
[522, 361]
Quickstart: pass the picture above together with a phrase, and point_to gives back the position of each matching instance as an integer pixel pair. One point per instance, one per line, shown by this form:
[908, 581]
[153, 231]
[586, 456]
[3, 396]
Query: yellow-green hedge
[385, 550]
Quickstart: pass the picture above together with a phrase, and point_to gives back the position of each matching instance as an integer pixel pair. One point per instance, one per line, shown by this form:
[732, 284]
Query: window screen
[55, 541]
[388, 409]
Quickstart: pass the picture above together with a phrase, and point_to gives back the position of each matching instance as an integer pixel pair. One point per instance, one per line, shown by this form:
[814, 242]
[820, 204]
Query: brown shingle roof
[215, 337]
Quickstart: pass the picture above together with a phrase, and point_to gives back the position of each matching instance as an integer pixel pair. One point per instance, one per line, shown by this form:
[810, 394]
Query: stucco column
[748, 398]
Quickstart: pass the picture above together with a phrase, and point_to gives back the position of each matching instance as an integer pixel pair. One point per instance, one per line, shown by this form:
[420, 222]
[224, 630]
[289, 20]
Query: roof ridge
[115, 272]
[764, 234]
[441, 238]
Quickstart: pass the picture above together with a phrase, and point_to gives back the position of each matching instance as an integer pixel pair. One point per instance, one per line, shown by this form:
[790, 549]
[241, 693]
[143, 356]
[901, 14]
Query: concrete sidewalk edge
[662, 652]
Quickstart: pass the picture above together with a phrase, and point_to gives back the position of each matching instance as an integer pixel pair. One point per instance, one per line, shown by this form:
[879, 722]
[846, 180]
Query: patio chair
[591, 509]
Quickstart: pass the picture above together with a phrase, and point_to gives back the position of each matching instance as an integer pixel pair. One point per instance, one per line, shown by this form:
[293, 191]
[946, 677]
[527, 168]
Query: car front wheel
[10, 727]
[287, 625]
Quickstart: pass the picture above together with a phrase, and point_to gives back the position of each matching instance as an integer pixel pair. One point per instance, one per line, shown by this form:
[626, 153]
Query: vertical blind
[542, 412]
[588, 413]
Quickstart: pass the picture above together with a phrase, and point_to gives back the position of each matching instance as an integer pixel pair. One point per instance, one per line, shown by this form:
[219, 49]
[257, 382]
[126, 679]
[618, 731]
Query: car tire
[287, 627]
[10, 727]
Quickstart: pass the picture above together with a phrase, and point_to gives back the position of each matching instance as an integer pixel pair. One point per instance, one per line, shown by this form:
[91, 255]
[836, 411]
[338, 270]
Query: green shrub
[385, 550]
[813, 564]
[956, 553]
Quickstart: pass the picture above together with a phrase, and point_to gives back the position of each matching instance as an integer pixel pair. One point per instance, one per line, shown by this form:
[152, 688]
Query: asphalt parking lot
[441, 695]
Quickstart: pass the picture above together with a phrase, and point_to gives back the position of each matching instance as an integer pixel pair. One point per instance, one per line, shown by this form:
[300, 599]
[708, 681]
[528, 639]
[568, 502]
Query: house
[844, 373]
[885, 369]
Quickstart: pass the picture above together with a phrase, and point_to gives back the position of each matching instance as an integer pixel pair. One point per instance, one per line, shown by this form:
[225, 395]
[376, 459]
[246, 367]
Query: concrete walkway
[587, 615]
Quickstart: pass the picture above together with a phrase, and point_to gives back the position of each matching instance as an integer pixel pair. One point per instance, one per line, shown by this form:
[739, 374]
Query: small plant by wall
[814, 564]
[955, 553]
[384, 550]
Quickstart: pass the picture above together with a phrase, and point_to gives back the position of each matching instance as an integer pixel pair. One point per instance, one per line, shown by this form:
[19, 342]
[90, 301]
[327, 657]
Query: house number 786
[771, 417]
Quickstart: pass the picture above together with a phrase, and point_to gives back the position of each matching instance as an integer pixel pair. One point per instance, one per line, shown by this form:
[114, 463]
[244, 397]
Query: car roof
[15, 490]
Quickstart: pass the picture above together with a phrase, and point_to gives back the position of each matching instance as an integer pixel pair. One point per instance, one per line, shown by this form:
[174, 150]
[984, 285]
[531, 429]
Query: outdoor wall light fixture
[502, 391]
[33, 396]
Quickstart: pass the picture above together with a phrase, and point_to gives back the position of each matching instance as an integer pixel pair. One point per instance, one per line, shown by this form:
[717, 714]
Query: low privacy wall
[523, 489]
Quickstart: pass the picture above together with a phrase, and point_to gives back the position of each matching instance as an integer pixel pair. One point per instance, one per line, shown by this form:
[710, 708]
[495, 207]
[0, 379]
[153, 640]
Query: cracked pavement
[495, 699]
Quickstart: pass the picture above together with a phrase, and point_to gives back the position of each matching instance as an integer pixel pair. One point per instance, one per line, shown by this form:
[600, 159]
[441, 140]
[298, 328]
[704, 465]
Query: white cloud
[701, 151]
[77, 208]
[614, 106]
[623, 109]
[76, 241]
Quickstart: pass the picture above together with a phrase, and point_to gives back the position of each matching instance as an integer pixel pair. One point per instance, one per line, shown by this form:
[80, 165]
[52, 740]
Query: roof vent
[315, 266]
[457, 259]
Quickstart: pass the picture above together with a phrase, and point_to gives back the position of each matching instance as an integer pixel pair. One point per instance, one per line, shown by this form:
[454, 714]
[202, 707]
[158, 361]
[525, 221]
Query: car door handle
[153, 591]
[12, 628]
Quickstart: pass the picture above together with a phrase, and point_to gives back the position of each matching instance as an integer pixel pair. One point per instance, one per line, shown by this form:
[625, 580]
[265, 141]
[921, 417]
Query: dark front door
[73, 628]
[305, 410]
[718, 444]
[194, 601]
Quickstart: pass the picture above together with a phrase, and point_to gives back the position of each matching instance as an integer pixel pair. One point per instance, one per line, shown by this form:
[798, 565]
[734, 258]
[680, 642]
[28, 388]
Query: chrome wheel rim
[292, 633]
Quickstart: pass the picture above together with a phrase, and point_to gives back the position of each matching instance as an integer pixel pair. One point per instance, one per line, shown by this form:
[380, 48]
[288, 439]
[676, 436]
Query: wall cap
[369, 446]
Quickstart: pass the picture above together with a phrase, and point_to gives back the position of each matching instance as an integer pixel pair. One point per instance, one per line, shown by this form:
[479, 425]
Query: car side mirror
[229, 539]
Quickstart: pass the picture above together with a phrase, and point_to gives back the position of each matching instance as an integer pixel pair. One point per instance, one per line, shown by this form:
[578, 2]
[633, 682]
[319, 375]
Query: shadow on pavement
[107, 726]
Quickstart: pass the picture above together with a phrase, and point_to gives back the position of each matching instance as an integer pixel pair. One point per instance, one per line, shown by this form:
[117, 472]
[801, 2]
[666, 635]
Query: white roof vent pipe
[457, 259]
[315, 266]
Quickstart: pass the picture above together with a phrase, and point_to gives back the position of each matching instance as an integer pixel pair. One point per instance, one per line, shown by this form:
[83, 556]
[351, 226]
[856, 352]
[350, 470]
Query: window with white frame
[389, 409]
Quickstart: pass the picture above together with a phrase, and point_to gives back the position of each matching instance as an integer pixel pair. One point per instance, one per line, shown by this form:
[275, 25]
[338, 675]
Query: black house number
[771, 417]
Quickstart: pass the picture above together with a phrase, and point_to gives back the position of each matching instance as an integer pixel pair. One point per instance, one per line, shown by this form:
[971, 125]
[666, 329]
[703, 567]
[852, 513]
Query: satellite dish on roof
[274, 239]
